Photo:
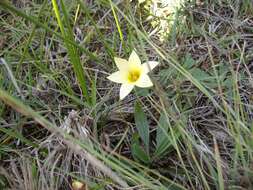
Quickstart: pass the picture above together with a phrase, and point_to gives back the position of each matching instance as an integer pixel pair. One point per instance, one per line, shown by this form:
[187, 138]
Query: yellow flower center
[133, 75]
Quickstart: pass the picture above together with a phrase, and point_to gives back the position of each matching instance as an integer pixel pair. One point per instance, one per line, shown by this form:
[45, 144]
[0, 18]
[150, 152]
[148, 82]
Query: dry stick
[20, 107]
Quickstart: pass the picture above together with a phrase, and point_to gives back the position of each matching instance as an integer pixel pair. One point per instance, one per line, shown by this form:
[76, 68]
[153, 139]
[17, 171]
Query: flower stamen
[133, 75]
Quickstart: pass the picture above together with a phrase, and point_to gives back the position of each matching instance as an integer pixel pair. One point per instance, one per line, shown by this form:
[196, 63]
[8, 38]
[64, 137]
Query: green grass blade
[72, 51]
[218, 164]
[122, 167]
[35, 20]
[15, 134]
[117, 23]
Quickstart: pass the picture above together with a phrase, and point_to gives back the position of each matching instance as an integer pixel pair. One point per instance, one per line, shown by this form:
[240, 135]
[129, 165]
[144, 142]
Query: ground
[62, 125]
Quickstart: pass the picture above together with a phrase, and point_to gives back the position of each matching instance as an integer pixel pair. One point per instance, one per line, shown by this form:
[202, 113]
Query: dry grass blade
[67, 139]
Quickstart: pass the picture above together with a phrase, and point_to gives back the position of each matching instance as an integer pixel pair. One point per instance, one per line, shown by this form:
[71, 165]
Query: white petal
[122, 64]
[149, 66]
[144, 81]
[117, 77]
[134, 59]
[125, 89]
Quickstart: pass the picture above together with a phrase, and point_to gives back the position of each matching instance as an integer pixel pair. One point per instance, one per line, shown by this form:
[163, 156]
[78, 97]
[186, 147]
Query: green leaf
[162, 130]
[199, 74]
[142, 124]
[162, 136]
[188, 61]
[142, 91]
[137, 151]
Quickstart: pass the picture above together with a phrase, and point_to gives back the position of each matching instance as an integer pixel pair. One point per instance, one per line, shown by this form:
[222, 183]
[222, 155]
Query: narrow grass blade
[117, 23]
[13, 79]
[218, 164]
[72, 50]
[80, 147]
[35, 20]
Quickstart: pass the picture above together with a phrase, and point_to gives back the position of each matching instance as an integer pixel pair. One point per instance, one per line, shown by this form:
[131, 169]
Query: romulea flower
[132, 73]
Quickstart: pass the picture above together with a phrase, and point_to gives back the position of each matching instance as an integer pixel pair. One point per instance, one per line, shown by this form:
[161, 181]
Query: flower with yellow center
[132, 73]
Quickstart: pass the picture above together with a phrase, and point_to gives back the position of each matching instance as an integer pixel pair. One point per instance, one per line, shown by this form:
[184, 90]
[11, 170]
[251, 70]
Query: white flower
[132, 73]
